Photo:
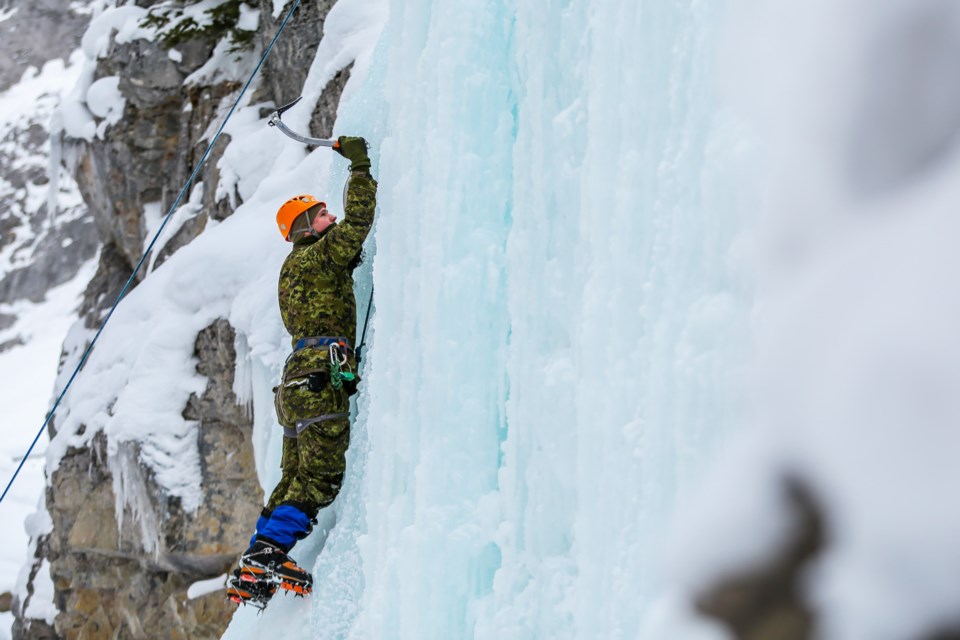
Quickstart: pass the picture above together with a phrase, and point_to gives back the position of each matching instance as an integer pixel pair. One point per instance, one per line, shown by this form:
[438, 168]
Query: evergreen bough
[174, 27]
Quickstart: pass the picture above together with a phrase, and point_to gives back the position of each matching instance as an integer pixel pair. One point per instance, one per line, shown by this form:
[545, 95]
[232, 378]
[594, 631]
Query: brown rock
[767, 603]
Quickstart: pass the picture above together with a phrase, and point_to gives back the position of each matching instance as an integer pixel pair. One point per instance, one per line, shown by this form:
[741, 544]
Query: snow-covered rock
[136, 519]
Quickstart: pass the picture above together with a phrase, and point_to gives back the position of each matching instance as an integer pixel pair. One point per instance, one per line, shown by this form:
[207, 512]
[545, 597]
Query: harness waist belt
[321, 341]
[303, 424]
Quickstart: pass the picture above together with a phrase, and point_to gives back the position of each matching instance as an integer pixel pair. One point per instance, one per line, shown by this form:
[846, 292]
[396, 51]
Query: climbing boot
[246, 587]
[270, 563]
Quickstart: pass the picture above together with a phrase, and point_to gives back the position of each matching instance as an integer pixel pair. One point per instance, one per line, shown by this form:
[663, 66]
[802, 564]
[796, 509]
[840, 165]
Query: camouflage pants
[312, 463]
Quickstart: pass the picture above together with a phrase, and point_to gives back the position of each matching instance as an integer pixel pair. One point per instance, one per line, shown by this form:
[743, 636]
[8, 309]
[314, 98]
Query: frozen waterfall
[560, 321]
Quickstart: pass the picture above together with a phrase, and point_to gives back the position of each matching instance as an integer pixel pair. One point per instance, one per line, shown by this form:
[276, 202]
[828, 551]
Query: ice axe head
[276, 120]
[287, 107]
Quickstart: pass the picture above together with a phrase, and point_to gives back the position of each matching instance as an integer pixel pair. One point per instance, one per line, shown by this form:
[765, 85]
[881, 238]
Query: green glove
[354, 150]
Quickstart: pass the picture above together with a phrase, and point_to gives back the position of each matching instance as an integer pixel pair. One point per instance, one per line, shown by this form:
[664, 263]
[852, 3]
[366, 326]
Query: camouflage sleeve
[344, 241]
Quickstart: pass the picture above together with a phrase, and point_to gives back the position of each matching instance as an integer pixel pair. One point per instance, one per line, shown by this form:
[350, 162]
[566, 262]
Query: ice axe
[275, 121]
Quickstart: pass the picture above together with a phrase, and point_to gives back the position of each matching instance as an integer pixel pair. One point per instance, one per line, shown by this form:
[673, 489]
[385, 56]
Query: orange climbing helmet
[291, 209]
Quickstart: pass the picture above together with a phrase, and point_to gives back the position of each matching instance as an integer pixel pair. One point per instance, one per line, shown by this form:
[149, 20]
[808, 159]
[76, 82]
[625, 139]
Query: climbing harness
[338, 348]
[320, 341]
[336, 373]
[166, 219]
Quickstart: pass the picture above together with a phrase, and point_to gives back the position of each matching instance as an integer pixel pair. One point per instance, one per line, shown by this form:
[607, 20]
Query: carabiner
[338, 355]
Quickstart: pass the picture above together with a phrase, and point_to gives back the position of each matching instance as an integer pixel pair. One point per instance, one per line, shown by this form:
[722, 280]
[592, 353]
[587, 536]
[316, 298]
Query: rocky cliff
[131, 580]
[56, 25]
[39, 247]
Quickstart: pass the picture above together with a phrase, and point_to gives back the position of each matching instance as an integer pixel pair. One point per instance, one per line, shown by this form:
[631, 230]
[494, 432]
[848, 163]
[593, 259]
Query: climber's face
[323, 220]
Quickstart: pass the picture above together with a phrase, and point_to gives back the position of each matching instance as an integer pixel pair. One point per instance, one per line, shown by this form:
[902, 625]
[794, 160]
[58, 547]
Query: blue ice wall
[560, 312]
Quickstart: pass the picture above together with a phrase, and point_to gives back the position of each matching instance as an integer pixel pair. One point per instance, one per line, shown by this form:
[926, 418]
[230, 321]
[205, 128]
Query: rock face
[57, 24]
[129, 577]
[126, 575]
[40, 248]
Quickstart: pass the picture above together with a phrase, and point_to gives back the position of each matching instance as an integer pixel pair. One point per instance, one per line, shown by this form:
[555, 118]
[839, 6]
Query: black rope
[126, 287]
[363, 336]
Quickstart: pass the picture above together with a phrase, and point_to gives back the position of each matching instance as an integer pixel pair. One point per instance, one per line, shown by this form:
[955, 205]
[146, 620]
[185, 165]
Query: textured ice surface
[560, 320]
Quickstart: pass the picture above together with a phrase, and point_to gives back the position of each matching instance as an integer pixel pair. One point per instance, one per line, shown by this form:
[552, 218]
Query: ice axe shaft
[276, 121]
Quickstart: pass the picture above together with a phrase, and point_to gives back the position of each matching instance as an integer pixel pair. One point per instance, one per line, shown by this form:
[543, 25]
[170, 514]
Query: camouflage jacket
[316, 280]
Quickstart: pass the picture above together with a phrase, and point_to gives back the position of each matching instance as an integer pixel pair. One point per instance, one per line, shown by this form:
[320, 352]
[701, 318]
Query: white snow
[38, 90]
[249, 18]
[85, 7]
[29, 372]
[205, 587]
[120, 23]
[243, 171]
[153, 216]
[225, 66]
[73, 115]
[279, 7]
[101, 98]
[28, 367]
[40, 606]
[41, 327]
[105, 101]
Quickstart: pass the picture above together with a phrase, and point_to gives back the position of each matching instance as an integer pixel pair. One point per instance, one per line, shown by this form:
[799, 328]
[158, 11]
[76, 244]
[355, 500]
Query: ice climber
[312, 400]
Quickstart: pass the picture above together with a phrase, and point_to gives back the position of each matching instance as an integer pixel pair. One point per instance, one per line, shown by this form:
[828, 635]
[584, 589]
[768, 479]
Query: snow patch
[74, 117]
[205, 587]
[224, 65]
[121, 23]
[249, 18]
[84, 7]
[105, 100]
[184, 213]
[77, 121]
[152, 219]
[278, 7]
[242, 171]
[39, 523]
[40, 605]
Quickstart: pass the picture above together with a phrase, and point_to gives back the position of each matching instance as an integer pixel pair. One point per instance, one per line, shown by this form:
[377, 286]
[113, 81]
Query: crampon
[249, 588]
[267, 564]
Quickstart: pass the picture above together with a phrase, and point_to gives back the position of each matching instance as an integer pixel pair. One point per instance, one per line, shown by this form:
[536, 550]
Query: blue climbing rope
[126, 287]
